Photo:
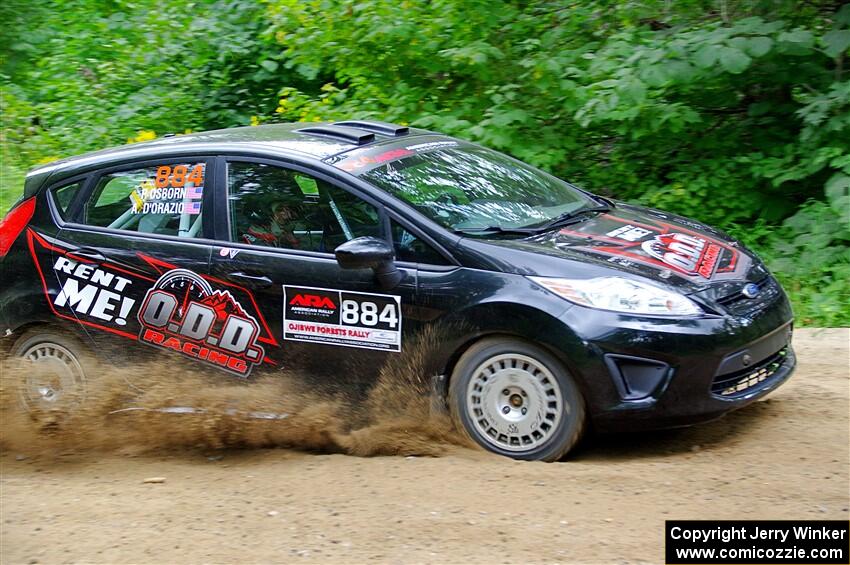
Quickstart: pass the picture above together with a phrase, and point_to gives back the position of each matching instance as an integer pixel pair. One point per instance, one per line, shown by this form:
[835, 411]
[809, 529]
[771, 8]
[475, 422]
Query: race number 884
[369, 314]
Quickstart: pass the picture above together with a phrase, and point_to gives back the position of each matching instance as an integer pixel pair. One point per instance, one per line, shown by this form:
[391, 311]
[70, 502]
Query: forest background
[736, 113]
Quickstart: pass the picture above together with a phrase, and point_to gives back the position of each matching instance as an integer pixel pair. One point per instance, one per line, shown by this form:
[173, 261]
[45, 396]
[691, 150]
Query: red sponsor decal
[191, 349]
[182, 312]
[687, 253]
[664, 246]
[392, 154]
[220, 326]
[312, 301]
[709, 260]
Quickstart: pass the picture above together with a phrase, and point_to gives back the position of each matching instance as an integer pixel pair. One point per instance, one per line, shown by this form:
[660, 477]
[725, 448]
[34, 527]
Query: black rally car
[328, 248]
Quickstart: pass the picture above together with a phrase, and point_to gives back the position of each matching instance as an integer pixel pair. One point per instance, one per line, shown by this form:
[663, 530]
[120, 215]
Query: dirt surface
[785, 457]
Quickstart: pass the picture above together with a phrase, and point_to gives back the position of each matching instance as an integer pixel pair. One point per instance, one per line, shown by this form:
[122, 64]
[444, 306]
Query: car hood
[669, 249]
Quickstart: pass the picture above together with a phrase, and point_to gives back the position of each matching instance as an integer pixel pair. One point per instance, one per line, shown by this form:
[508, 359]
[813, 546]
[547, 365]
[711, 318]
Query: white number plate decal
[341, 317]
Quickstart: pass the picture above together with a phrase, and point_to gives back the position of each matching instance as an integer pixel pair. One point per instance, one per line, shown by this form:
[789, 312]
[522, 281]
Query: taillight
[14, 223]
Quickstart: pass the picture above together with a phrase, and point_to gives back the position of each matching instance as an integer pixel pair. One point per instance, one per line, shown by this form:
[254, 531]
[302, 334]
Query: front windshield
[472, 188]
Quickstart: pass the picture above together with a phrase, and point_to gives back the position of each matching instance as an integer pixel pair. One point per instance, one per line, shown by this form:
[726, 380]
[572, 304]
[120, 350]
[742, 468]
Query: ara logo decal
[688, 253]
[183, 313]
[313, 301]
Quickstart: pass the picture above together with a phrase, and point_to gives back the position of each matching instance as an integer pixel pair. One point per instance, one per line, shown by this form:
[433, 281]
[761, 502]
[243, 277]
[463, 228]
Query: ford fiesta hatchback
[327, 248]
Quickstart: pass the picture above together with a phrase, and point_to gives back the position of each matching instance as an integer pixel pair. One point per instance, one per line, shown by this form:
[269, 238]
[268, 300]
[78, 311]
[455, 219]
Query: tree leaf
[759, 46]
[837, 191]
[801, 37]
[734, 60]
[654, 75]
[269, 65]
[836, 42]
[706, 56]
[843, 15]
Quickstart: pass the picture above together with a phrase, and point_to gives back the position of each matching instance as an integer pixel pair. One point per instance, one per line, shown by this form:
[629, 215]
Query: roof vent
[341, 133]
[383, 128]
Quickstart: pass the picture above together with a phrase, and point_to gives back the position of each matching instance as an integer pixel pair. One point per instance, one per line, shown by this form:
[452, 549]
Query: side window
[63, 196]
[276, 207]
[163, 199]
[408, 247]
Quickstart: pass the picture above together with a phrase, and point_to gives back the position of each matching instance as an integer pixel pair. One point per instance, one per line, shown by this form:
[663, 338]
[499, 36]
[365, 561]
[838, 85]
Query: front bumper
[640, 373]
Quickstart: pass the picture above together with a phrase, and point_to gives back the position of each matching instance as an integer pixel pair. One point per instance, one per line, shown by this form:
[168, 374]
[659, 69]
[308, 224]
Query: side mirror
[370, 253]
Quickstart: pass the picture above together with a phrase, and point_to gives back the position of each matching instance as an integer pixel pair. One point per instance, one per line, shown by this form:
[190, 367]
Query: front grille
[739, 383]
[739, 305]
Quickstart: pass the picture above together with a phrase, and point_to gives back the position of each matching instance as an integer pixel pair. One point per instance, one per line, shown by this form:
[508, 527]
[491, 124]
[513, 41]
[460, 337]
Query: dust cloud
[180, 408]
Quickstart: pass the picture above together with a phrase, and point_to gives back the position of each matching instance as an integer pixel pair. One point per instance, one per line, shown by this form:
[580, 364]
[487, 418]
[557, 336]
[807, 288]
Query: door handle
[89, 253]
[253, 281]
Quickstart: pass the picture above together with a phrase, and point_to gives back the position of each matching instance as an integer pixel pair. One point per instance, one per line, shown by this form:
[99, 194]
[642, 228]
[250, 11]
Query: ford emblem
[751, 290]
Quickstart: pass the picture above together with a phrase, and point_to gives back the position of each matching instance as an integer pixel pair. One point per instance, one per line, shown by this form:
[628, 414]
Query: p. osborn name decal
[338, 317]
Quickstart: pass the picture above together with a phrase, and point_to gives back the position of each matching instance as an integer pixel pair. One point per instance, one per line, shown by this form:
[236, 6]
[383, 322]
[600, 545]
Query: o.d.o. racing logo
[182, 313]
[688, 253]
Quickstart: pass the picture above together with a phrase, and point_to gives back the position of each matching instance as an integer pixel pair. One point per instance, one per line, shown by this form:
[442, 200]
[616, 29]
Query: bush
[735, 113]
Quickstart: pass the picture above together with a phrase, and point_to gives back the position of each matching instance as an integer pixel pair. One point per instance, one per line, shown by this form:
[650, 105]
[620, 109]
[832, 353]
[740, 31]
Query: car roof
[317, 140]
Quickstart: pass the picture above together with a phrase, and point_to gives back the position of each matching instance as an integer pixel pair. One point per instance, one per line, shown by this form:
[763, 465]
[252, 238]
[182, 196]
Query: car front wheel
[515, 399]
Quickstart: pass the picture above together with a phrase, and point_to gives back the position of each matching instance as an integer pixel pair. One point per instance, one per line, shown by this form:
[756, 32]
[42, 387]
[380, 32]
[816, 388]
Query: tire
[541, 417]
[62, 367]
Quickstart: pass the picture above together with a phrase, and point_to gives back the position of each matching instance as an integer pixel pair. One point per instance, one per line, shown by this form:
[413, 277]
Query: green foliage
[733, 112]
[810, 254]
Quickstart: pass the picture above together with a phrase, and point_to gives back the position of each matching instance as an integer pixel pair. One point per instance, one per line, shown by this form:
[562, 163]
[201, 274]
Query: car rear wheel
[515, 399]
[57, 378]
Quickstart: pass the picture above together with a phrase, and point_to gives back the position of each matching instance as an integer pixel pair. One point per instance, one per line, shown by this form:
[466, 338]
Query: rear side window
[164, 200]
[64, 195]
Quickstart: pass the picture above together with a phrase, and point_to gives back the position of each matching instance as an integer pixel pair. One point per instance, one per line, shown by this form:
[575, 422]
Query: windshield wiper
[569, 218]
[562, 220]
[495, 229]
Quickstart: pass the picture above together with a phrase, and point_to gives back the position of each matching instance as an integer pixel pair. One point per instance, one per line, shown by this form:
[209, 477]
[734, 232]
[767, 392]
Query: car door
[281, 227]
[134, 238]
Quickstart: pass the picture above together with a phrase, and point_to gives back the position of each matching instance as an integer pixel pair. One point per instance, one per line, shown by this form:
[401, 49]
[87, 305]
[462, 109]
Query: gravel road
[784, 457]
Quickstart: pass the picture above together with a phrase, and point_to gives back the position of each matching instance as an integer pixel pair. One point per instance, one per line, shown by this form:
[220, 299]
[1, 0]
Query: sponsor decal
[339, 317]
[227, 252]
[629, 233]
[312, 303]
[92, 292]
[690, 254]
[360, 161]
[157, 303]
[671, 248]
[373, 160]
[430, 146]
[392, 154]
[182, 312]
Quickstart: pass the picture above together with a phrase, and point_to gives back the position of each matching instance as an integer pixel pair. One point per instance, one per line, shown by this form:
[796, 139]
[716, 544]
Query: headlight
[620, 295]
